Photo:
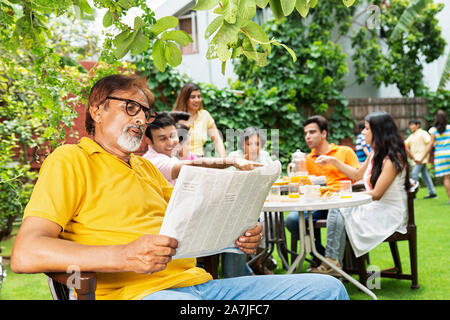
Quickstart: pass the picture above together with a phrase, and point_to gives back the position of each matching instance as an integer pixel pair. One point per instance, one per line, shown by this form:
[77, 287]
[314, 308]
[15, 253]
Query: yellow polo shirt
[332, 174]
[99, 199]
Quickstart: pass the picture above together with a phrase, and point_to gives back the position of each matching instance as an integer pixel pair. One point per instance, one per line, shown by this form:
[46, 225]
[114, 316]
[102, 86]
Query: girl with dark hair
[201, 122]
[440, 140]
[385, 175]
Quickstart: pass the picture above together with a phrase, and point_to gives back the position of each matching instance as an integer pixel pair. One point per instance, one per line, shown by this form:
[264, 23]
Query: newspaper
[210, 208]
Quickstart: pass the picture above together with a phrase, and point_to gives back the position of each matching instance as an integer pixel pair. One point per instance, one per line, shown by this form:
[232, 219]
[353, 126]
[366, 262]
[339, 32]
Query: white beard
[129, 142]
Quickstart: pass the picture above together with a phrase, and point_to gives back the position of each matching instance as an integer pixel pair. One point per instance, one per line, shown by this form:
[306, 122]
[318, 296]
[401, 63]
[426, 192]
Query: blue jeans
[235, 265]
[422, 169]
[291, 223]
[266, 287]
[336, 236]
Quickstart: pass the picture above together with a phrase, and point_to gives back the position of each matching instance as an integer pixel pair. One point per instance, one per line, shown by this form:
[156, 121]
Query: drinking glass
[346, 189]
[293, 190]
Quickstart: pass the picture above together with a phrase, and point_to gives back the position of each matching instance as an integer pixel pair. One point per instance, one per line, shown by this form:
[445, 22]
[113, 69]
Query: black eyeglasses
[132, 108]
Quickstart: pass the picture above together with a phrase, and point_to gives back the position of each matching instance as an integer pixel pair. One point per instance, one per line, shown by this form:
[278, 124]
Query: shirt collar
[333, 148]
[154, 153]
[91, 147]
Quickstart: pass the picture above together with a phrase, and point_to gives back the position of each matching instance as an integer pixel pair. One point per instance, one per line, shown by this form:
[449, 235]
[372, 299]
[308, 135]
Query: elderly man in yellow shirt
[99, 207]
[416, 144]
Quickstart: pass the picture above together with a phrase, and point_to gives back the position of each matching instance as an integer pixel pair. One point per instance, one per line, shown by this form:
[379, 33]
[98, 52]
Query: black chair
[59, 284]
[353, 265]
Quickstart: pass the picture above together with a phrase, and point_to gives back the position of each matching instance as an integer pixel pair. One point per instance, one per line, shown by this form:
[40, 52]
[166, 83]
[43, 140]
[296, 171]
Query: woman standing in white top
[202, 124]
[385, 174]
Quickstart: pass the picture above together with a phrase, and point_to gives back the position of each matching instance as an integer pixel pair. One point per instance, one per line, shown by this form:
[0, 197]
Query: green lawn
[432, 219]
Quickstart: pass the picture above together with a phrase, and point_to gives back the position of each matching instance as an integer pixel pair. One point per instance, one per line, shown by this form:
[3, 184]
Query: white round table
[274, 226]
[304, 204]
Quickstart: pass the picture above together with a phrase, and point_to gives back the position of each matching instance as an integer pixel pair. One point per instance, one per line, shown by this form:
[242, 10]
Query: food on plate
[326, 189]
[327, 194]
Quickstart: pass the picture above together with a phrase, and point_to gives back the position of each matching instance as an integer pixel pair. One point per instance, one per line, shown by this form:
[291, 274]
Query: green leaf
[287, 6]
[121, 37]
[312, 3]
[256, 32]
[262, 3]
[158, 55]
[164, 24]
[247, 9]
[259, 57]
[291, 52]
[140, 43]
[138, 23]
[84, 6]
[213, 26]
[179, 36]
[348, 3]
[408, 17]
[205, 4]
[237, 52]
[124, 46]
[231, 10]
[275, 6]
[223, 67]
[445, 77]
[127, 4]
[302, 7]
[107, 19]
[219, 44]
[172, 54]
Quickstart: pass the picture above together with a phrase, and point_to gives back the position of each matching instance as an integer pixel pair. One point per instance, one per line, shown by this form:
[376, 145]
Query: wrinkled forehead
[135, 94]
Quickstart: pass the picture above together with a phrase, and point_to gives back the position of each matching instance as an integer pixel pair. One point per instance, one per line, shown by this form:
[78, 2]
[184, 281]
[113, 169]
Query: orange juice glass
[346, 189]
[294, 190]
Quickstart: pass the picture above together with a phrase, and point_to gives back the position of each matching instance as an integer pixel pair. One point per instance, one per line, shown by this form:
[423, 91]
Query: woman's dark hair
[440, 121]
[250, 132]
[181, 104]
[386, 142]
[162, 120]
[107, 86]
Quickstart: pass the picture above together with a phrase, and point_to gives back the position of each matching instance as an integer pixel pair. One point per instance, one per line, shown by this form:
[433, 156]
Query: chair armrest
[358, 186]
[84, 284]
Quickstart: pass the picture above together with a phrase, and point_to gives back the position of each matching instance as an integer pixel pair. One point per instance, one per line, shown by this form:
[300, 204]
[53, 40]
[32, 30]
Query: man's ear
[95, 112]
[147, 140]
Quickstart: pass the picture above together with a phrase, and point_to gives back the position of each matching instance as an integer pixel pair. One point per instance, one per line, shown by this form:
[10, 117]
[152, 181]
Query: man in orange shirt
[316, 131]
